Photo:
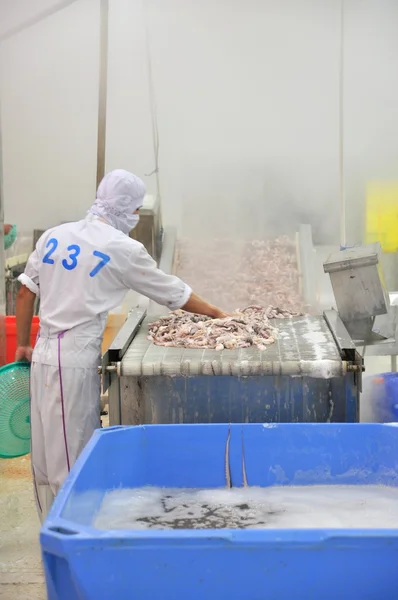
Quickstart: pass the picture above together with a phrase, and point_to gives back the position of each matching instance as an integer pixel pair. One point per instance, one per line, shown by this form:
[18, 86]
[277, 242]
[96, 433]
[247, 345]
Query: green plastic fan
[14, 410]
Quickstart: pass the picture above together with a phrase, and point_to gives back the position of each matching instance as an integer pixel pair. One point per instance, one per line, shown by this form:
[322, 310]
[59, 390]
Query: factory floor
[20, 563]
[21, 575]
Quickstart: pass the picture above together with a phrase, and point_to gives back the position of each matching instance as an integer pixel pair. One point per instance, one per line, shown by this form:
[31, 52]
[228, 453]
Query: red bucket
[11, 336]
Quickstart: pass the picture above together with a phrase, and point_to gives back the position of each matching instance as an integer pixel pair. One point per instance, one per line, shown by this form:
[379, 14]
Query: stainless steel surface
[305, 347]
[12, 288]
[384, 325]
[341, 336]
[149, 229]
[14, 267]
[115, 415]
[269, 399]
[37, 233]
[103, 89]
[358, 286]
[169, 245]
[380, 349]
[306, 263]
[324, 291]
[378, 345]
[346, 346]
[123, 339]
[120, 344]
[355, 257]
[302, 377]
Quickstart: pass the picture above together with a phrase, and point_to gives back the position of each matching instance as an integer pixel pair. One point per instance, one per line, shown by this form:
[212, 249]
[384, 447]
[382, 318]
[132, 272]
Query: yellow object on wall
[382, 215]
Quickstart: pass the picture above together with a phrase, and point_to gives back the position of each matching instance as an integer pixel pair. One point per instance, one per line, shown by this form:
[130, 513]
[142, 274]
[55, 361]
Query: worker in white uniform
[82, 271]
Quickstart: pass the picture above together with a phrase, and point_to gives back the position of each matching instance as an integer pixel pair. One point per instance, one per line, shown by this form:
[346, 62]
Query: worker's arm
[25, 308]
[143, 276]
[195, 304]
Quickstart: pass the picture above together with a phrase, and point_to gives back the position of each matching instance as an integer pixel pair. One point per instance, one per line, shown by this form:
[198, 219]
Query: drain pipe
[103, 89]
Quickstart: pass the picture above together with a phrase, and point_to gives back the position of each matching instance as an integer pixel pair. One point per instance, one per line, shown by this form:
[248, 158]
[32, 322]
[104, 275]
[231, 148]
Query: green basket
[14, 410]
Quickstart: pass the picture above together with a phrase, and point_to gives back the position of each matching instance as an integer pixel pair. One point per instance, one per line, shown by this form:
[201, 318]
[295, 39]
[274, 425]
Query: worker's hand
[220, 314]
[199, 306]
[24, 353]
[7, 229]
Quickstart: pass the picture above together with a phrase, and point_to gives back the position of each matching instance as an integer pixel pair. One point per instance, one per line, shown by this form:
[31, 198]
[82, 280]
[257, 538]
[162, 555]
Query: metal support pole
[343, 225]
[114, 401]
[2, 259]
[103, 89]
[2, 262]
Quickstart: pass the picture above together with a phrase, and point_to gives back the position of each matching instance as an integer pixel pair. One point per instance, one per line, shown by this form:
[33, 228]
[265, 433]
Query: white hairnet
[119, 195]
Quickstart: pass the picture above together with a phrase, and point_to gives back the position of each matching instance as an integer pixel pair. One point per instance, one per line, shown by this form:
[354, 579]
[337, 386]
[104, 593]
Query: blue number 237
[104, 260]
[74, 251]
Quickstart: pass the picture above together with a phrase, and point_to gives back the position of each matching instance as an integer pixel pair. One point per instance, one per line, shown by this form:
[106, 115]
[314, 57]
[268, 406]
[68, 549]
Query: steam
[247, 111]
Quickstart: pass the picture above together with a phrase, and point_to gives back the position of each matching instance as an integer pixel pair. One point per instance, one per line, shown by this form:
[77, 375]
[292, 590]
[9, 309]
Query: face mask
[133, 221]
[123, 222]
[10, 237]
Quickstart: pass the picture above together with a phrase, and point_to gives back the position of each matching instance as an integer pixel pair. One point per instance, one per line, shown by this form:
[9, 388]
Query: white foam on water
[296, 507]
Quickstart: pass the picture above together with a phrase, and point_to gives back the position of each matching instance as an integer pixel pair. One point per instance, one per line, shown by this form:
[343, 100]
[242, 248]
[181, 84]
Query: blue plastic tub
[83, 563]
[384, 397]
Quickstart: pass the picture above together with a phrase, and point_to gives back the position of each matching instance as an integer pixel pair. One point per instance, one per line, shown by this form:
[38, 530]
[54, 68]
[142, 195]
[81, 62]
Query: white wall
[247, 102]
[49, 102]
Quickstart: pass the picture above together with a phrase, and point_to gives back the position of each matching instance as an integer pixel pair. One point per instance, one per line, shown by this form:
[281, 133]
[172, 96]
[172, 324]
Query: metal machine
[362, 298]
[312, 374]
[363, 301]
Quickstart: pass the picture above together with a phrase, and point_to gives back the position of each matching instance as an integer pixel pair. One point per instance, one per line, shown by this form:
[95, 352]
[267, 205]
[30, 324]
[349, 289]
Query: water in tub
[247, 508]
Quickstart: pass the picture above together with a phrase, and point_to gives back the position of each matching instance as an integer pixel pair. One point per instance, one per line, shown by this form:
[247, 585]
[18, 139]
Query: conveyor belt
[305, 347]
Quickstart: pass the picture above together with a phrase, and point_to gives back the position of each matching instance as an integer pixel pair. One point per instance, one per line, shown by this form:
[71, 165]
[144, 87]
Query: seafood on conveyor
[231, 273]
[242, 329]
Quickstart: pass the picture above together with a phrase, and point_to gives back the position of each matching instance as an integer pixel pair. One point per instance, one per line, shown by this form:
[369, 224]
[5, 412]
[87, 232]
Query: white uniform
[81, 271]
